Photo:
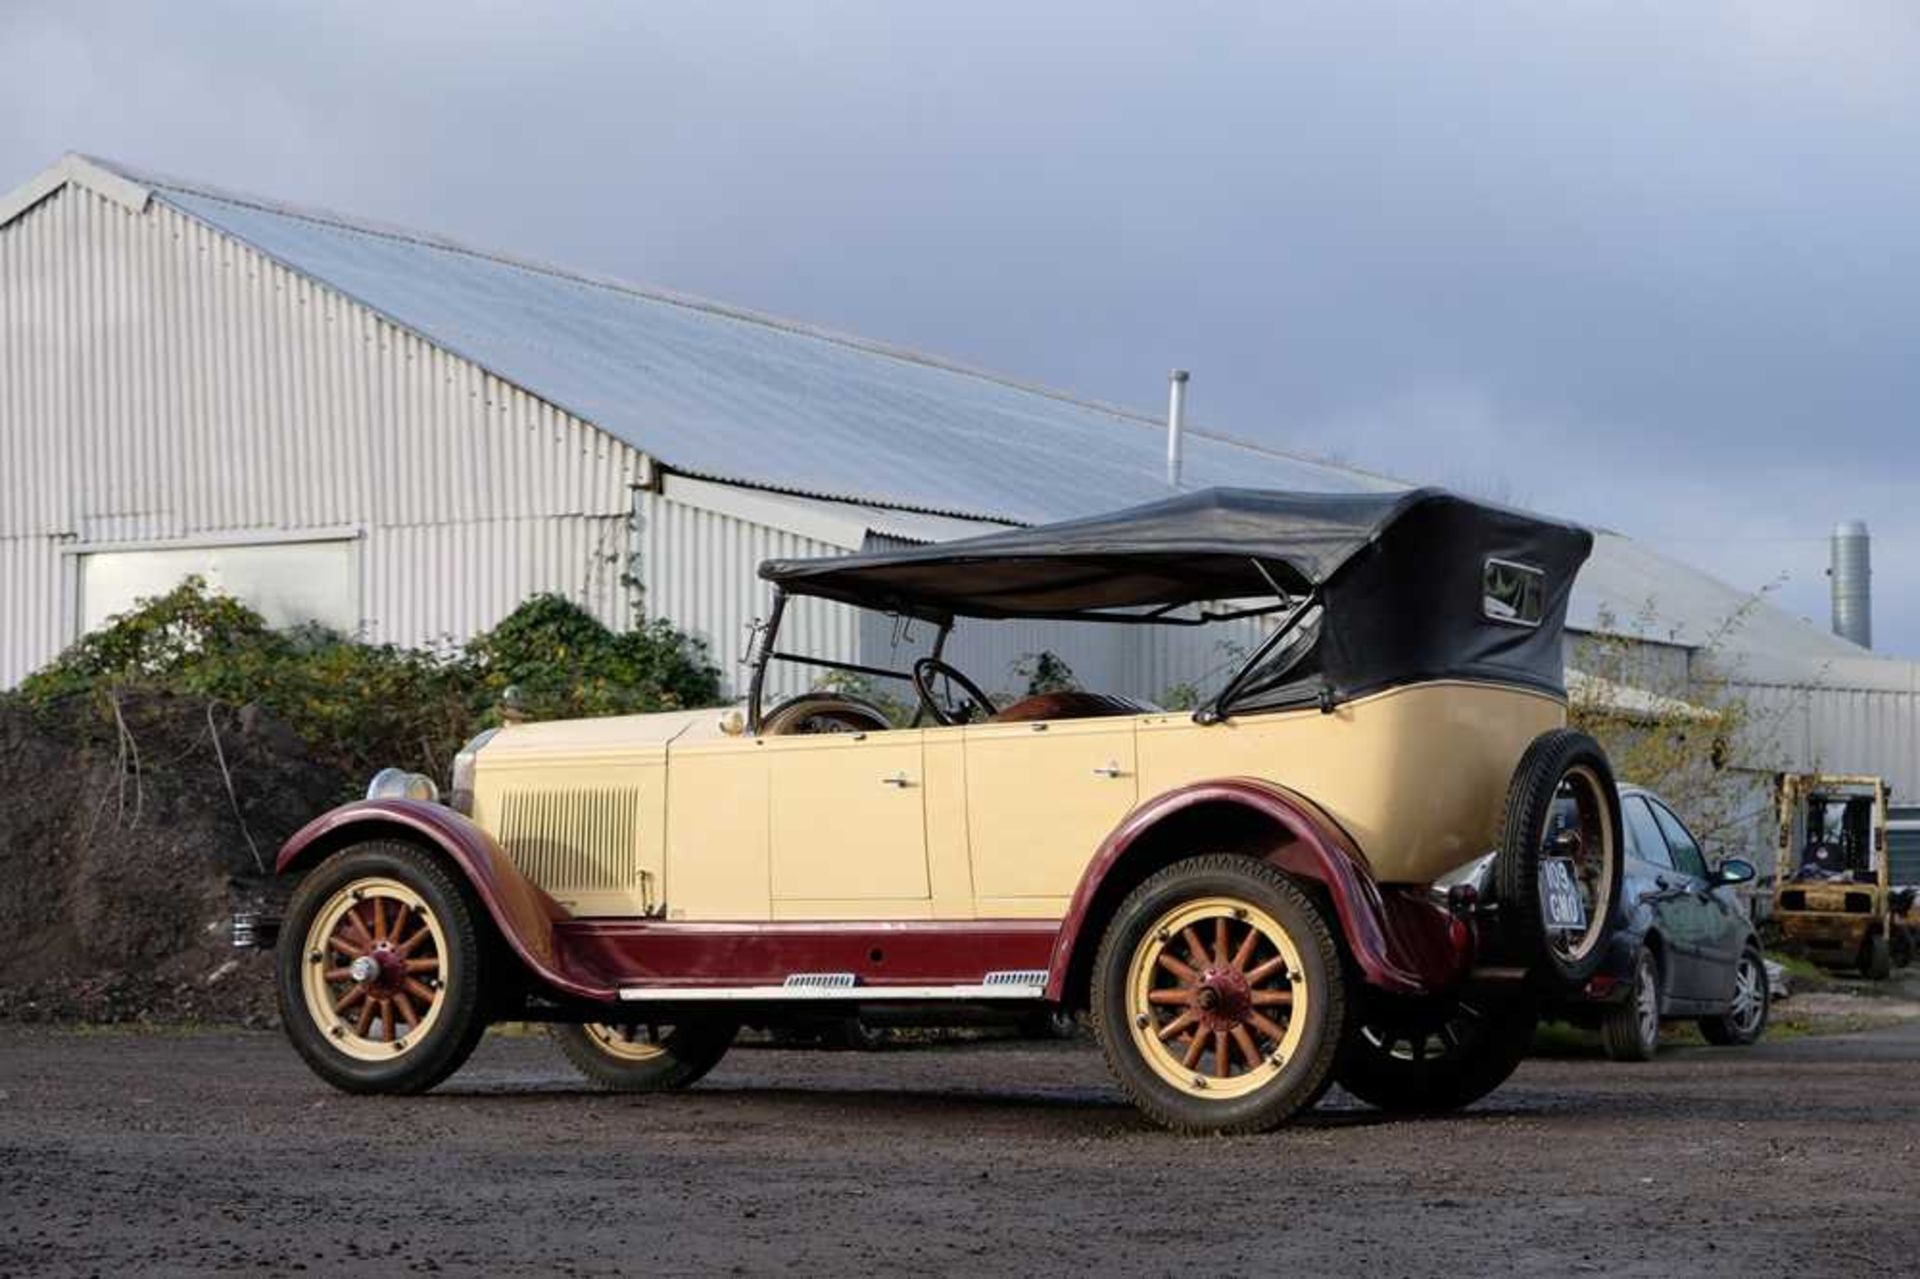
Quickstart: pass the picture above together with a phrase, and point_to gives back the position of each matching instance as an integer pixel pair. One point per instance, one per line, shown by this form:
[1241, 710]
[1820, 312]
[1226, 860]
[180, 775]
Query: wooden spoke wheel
[374, 954]
[1559, 869]
[1587, 840]
[629, 1042]
[646, 1056]
[1434, 1055]
[379, 969]
[1218, 996]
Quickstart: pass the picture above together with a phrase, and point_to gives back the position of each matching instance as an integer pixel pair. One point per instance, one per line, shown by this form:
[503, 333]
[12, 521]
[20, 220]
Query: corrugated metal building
[404, 436]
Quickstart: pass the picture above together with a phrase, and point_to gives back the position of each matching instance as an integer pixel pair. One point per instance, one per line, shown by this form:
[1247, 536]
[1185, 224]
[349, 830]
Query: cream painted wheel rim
[1217, 998]
[1595, 859]
[628, 1043]
[374, 969]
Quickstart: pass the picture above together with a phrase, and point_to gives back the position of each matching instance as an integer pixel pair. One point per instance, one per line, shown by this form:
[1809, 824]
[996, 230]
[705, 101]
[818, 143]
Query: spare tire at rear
[1560, 847]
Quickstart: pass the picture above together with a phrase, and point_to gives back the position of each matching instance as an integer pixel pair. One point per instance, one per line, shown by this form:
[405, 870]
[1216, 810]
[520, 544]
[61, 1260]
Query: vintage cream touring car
[1362, 859]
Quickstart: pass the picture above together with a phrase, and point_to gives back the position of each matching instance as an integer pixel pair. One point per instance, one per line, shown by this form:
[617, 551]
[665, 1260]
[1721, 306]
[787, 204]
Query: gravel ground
[217, 1151]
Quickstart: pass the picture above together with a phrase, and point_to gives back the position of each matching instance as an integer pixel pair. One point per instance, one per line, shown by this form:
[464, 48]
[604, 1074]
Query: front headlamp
[398, 783]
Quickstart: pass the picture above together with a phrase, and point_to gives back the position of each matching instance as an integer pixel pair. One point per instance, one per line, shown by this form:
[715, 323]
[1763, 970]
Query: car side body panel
[1416, 776]
[985, 821]
[878, 955]
[1401, 942]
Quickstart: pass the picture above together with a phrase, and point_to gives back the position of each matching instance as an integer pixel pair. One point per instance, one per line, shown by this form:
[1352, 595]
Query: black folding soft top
[1419, 583]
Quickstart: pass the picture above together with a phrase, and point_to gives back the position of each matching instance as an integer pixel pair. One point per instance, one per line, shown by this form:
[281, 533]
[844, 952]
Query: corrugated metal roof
[1629, 588]
[730, 395]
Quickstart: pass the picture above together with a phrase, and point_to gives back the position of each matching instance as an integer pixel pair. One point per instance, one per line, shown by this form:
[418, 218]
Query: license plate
[1560, 895]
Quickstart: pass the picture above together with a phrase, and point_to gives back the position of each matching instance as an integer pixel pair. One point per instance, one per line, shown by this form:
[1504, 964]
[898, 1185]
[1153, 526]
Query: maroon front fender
[524, 914]
[1400, 941]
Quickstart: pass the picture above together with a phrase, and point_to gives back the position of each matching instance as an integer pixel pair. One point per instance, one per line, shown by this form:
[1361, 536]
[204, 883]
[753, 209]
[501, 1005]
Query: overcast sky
[1654, 266]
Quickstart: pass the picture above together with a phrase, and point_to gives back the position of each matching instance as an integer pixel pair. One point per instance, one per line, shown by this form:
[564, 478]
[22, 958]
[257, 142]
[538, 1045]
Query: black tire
[350, 1058]
[1876, 958]
[1289, 1077]
[1746, 1017]
[1435, 1056]
[642, 1058]
[1630, 1030]
[1556, 757]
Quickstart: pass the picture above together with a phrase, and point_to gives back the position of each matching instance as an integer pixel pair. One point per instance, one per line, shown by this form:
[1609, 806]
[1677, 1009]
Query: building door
[288, 583]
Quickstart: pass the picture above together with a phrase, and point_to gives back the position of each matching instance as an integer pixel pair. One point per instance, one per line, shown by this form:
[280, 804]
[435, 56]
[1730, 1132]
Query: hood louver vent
[573, 842]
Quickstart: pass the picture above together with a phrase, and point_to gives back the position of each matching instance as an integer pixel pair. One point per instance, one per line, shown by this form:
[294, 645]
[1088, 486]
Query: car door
[1665, 895]
[847, 825]
[1701, 911]
[1041, 796]
[1652, 885]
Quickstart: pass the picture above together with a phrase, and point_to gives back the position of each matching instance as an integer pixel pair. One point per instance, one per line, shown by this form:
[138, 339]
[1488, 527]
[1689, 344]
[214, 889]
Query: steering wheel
[926, 670]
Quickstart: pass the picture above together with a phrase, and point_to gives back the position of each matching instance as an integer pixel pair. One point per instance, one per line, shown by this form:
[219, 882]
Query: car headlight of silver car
[460, 785]
[398, 783]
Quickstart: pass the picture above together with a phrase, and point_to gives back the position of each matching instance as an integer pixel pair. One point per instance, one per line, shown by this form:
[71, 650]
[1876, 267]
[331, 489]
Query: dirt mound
[123, 852]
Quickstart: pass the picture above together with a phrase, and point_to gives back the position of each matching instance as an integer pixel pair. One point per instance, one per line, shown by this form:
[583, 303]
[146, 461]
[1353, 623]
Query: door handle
[1110, 769]
[896, 779]
[1662, 883]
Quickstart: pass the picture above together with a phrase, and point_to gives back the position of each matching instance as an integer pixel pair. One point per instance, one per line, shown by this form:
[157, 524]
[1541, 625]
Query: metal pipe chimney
[1176, 420]
[1852, 574]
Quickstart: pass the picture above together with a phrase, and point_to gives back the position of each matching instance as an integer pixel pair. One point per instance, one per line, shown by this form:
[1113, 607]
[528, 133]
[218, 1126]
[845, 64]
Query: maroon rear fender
[1400, 941]
[524, 914]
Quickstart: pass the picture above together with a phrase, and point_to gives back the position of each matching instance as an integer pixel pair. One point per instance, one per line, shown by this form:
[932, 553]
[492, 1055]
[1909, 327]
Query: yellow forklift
[1834, 898]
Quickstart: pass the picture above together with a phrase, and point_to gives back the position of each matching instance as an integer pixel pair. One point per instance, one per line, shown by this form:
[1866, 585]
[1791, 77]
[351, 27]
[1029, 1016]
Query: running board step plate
[1029, 984]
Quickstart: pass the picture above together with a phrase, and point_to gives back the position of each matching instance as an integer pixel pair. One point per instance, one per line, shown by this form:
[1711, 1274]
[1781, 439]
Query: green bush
[361, 706]
[563, 662]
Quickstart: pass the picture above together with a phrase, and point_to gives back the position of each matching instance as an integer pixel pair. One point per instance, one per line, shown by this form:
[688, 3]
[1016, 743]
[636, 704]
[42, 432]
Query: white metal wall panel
[36, 302]
[700, 570]
[160, 381]
[1841, 730]
[432, 583]
[36, 603]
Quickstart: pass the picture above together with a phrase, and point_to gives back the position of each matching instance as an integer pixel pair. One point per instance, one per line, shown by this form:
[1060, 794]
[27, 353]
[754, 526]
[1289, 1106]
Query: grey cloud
[1646, 264]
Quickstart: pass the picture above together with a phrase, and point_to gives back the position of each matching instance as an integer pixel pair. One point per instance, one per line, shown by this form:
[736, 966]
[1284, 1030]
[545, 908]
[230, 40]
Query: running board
[844, 986]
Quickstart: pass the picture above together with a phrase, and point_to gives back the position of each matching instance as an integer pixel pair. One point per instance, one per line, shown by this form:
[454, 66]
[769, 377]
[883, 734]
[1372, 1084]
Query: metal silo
[1852, 573]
